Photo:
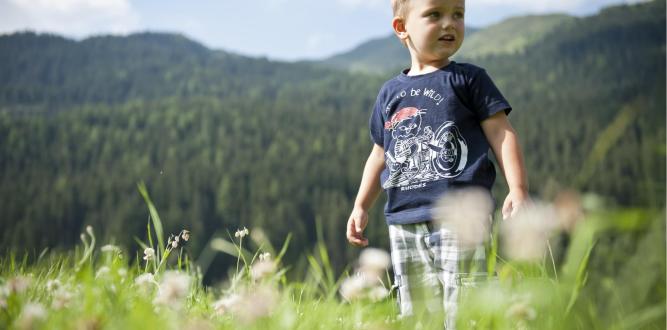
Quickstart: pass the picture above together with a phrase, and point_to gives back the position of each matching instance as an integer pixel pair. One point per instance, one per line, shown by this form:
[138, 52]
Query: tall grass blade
[155, 217]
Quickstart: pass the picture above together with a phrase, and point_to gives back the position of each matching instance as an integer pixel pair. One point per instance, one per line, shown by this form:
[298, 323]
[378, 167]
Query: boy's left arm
[505, 145]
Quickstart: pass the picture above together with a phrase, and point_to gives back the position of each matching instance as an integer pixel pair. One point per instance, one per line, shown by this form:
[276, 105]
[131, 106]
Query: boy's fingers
[507, 209]
[354, 234]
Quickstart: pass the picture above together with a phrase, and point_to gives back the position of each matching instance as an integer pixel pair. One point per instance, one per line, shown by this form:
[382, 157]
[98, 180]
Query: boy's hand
[355, 227]
[513, 202]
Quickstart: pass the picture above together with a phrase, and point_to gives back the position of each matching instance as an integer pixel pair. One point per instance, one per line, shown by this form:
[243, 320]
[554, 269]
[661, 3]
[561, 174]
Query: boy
[432, 127]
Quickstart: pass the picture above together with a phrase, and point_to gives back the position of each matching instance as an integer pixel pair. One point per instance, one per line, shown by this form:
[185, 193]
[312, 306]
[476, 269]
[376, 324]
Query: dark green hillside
[591, 103]
[223, 140]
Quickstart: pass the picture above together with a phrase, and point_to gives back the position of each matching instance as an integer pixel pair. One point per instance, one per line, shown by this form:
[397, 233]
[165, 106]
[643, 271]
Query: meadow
[569, 264]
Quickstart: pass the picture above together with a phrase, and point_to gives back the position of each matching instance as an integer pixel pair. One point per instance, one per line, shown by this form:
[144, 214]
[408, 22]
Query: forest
[224, 141]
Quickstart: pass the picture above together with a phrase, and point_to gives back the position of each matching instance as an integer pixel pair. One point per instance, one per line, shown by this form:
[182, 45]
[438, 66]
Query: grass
[104, 287]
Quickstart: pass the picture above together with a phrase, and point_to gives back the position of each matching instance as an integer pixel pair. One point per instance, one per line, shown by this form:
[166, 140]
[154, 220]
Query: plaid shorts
[431, 269]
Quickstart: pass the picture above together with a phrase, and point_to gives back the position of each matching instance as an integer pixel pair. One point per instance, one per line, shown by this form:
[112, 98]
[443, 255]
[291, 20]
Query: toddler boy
[432, 127]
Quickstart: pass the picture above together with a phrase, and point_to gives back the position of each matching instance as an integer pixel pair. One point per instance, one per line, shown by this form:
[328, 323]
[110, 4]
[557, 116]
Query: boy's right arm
[369, 189]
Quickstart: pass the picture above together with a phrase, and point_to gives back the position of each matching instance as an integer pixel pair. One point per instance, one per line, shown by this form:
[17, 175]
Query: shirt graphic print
[422, 154]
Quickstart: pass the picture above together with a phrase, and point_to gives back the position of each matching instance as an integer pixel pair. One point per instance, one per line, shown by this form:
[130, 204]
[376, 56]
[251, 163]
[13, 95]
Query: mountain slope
[509, 36]
[225, 141]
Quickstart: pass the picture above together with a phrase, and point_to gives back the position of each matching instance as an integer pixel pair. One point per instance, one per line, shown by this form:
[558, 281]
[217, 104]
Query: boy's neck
[418, 67]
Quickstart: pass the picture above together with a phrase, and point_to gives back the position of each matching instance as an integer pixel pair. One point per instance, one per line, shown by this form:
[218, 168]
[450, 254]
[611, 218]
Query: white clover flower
[353, 288]
[104, 271]
[241, 232]
[525, 235]
[569, 208]
[61, 298]
[265, 256]
[257, 303]
[53, 285]
[521, 311]
[374, 262]
[110, 248]
[18, 284]
[378, 293]
[467, 213]
[173, 289]
[149, 254]
[30, 315]
[145, 281]
[262, 269]
[227, 304]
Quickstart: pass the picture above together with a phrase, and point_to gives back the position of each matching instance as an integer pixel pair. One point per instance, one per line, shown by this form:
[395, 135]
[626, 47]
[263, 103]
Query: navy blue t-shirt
[429, 127]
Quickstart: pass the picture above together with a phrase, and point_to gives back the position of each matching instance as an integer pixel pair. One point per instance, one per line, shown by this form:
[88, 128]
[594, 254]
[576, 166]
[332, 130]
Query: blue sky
[278, 29]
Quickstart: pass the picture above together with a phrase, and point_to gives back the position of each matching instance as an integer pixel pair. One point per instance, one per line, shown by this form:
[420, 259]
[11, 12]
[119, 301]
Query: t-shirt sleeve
[486, 98]
[376, 123]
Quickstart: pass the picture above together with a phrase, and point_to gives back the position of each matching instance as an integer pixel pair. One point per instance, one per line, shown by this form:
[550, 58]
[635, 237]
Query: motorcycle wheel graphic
[452, 151]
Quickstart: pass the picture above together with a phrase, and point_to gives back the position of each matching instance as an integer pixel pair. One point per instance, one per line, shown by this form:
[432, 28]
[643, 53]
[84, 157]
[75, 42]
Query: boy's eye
[433, 15]
[458, 15]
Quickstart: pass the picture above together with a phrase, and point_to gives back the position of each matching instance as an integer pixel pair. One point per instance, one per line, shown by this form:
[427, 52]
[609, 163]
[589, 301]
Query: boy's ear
[398, 24]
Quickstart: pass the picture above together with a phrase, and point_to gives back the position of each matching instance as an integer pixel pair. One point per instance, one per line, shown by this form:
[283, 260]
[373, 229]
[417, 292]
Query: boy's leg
[457, 268]
[419, 290]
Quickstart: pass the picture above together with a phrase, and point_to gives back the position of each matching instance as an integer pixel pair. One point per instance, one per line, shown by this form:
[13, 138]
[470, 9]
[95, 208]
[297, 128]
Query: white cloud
[76, 18]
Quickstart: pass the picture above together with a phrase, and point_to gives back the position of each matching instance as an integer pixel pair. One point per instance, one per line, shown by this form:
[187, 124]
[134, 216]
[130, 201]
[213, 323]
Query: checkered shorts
[431, 269]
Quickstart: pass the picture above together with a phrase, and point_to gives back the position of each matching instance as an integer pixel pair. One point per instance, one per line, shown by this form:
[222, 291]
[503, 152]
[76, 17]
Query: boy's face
[434, 28]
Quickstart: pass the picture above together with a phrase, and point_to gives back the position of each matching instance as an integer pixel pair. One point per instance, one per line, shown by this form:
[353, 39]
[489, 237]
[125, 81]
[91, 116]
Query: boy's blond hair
[400, 7]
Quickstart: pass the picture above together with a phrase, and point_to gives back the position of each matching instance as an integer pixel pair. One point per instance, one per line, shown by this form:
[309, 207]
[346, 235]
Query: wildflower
[102, 272]
[145, 281]
[173, 289]
[262, 269]
[353, 288]
[174, 243]
[521, 311]
[241, 232]
[226, 304]
[61, 298]
[149, 254]
[110, 248]
[466, 212]
[53, 285]
[18, 284]
[264, 256]
[185, 235]
[374, 262]
[526, 235]
[256, 304]
[30, 315]
[377, 293]
[89, 230]
[122, 272]
[569, 209]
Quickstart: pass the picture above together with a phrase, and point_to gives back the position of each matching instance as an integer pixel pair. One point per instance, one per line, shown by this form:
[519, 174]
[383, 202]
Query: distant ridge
[509, 36]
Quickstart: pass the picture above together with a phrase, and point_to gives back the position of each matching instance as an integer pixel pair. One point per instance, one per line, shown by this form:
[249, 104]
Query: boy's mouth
[447, 37]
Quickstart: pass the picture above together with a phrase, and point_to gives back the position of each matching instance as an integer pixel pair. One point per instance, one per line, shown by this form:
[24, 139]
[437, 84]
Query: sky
[276, 29]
